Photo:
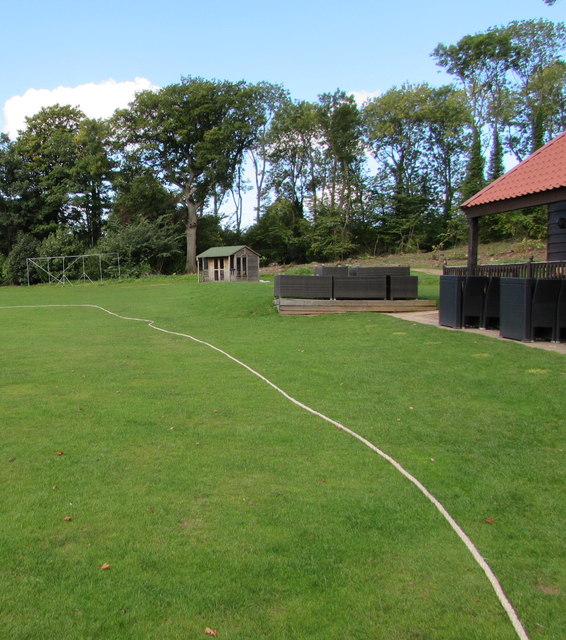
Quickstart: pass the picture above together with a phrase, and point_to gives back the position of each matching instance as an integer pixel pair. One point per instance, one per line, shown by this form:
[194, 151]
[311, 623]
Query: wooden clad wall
[556, 248]
[252, 263]
[253, 268]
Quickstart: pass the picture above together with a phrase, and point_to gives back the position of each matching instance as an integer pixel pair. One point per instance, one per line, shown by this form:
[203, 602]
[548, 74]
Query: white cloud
[95, 100]
[363, 96]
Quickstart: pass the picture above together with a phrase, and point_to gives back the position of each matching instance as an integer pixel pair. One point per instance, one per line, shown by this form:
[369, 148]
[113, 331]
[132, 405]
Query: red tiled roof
[544, 170]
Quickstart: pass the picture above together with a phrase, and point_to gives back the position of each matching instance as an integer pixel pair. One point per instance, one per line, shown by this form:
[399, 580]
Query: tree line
[328, 179]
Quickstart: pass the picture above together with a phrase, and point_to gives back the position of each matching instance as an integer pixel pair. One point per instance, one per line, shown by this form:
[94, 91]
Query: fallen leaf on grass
[489, 520]
[105, 566]
[211, 632]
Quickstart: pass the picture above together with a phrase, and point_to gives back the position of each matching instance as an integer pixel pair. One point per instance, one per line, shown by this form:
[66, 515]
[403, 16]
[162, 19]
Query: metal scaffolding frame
[58, 273]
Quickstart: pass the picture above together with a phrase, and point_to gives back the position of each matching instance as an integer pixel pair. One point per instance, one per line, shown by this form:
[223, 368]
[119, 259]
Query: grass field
[221, 506]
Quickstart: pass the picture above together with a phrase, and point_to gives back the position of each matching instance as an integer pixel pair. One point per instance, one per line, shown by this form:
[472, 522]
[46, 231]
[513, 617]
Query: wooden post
[472, 245]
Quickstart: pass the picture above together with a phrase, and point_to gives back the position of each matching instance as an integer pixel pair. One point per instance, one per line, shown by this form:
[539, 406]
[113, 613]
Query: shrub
[144, 246]
[15, 266]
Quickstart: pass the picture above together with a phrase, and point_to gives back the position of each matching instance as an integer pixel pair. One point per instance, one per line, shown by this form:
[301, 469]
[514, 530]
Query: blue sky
[310, 47]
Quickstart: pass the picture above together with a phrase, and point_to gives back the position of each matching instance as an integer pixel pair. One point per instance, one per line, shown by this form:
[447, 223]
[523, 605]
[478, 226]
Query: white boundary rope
[504, 601]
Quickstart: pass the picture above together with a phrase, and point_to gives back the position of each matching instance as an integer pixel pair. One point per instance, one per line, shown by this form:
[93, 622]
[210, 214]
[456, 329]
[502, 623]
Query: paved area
[431, 317]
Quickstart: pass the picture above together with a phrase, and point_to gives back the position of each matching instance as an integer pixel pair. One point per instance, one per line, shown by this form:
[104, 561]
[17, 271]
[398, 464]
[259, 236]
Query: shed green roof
[222, 252]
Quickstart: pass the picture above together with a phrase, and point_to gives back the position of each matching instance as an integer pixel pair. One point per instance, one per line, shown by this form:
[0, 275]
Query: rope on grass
[504, 601]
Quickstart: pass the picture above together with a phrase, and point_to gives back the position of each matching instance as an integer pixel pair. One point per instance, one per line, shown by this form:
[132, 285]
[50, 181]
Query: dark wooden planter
[545, 308]
[491, 312]
[450, 309]
[303, 287]
[561, 314]
[473, 301]
[331, 271]
[516, 308]
[403, 287]
[379, 271]
[360, 288]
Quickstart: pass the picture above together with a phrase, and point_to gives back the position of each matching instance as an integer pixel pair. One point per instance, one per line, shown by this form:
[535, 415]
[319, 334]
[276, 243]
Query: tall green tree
[272, 98]
[295, 154]
[330, 237]
[448, 136]
[280, 235]
[417, 134]
[145, 246]
[139, 193]
[10, 221]
[514, 78]
[194, 135]
[341, 171]
[91, 179]
[475, 171]
[481, 63]
[396, 126]
[15, 267]
[46, 154]
[496, 166]
[539, 93]
[60, 174]
[341, 128]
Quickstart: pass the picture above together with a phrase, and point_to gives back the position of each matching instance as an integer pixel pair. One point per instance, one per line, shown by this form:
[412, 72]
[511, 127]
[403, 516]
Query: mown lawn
[219, 505]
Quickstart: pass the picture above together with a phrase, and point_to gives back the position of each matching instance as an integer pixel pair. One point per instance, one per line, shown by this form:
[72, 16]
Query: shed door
[219, 269]
[241, 266]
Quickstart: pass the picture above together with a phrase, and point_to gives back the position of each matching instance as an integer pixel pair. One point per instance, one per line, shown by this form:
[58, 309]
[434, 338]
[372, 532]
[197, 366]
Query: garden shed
[228, 264]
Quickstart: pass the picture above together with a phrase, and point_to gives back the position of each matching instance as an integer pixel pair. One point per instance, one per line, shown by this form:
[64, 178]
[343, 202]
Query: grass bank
[507, 251]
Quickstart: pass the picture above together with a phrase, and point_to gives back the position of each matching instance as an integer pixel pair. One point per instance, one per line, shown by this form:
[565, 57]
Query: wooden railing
[516, 270]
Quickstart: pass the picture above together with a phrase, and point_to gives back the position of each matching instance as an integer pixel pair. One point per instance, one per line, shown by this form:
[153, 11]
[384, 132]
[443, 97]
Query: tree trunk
[259, 177]
[191, 232]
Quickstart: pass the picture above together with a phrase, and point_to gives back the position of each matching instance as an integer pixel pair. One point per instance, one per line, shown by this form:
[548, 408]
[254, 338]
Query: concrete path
[431, 318]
